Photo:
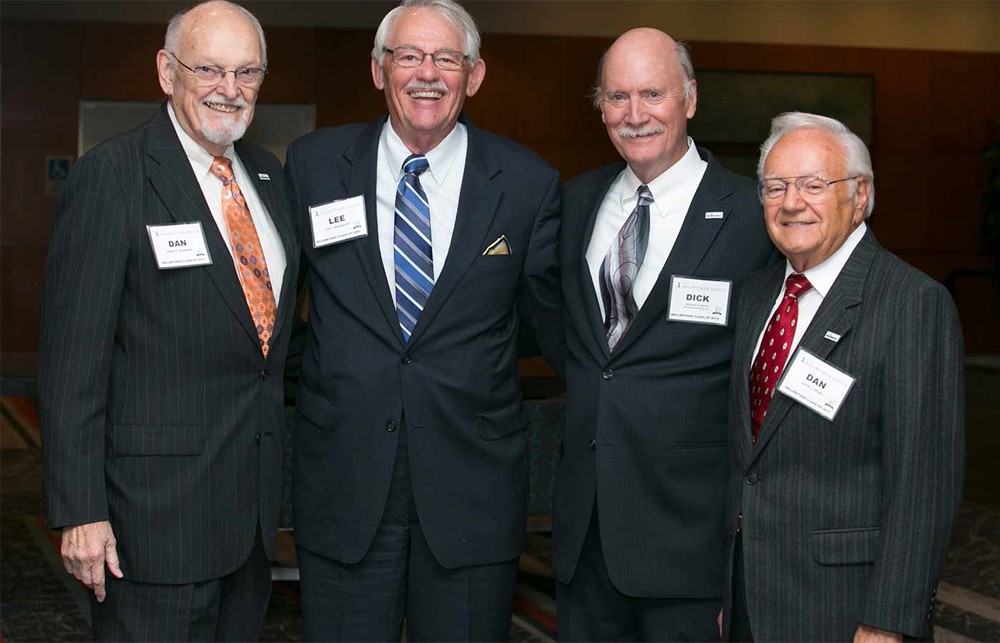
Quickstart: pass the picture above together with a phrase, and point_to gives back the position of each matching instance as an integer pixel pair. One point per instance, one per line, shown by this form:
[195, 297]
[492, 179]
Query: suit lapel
[175, 184]
[743, 351]
[281, 223]
[837, 314]
[477, 205]
[590, 309]
[363, 159]
[695, 238]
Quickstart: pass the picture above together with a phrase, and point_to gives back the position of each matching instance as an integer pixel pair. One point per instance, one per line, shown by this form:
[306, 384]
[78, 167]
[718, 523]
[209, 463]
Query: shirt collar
[198, 156]
[684, 172]
[440, 159]
[822, 276]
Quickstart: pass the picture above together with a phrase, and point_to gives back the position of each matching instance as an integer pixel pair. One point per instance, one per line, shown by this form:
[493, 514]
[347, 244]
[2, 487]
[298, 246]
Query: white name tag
[699, 301]
[338, 221]
[179, 245]
[816, 384]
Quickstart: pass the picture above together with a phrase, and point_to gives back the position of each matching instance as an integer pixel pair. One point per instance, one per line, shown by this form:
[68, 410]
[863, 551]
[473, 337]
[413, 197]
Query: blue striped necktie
[411, 244]
[621, 266]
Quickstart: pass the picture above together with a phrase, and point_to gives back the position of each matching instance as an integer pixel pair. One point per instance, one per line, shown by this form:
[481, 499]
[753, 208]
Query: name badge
[816, 384]
[699, 301]
[338, 221]
[179, 245]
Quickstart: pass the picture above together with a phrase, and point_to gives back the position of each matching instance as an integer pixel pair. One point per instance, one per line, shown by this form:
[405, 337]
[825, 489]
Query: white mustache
[422, 86]
[631, 132]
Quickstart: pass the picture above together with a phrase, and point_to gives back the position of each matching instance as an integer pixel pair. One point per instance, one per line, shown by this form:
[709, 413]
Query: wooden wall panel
[934, 112]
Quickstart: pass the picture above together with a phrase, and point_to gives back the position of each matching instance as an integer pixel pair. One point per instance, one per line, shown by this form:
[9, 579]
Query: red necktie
[254, 277]
[774, 348]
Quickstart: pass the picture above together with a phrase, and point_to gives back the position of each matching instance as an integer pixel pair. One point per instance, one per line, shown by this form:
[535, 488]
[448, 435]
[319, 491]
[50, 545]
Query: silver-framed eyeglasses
[619, 99]
[211, 75]
[444, 59]
[812, 189]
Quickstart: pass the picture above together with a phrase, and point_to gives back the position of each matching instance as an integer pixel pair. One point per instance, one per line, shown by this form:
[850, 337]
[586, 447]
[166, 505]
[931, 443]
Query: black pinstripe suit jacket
[159, 412]
[645, 434]
[848, 521]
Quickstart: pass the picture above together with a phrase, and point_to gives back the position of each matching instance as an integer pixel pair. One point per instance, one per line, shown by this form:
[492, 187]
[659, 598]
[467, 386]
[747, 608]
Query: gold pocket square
[498, 247]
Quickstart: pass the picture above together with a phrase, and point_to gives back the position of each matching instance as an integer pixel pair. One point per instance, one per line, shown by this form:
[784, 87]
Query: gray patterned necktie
[621, 266]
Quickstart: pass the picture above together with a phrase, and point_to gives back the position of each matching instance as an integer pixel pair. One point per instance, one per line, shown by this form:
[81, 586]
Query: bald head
[655, 44]
[213, 14]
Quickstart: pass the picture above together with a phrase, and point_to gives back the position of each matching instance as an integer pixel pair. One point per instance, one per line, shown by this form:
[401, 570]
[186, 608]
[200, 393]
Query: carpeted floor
[40, 602]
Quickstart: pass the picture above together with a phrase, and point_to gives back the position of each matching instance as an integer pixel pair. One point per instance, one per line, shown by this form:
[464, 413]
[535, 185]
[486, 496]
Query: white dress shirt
[821, 277]
[442, 183]
[673, 191]
[211, 187]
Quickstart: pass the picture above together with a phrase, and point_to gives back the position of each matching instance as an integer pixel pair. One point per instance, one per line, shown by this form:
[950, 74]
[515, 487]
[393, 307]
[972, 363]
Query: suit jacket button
[751, 478]
[390, 425]
[264, 374]
[405, 358]
[593, 443]
[608, 374]
[257, 438]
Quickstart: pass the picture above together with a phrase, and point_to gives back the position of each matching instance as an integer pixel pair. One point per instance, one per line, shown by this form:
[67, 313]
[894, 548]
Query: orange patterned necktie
[253, 272]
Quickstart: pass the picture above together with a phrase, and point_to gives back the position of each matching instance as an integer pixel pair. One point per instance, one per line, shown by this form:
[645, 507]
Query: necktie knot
[222, 168]
[796, 285]
[415, 164]
[645, 196]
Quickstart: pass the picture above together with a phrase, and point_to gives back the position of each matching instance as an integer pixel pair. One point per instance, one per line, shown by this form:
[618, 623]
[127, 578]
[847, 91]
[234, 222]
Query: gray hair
[683, 57]
[454, 13]
[857, 160]
[173, 38]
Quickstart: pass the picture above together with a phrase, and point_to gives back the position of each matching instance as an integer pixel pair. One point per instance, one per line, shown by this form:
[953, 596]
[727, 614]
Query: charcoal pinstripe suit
[159, 412]
[847, 522]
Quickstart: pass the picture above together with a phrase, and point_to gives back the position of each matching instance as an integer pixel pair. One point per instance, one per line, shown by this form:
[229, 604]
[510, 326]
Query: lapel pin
[832, 336]
[263, 177]
[713, 215]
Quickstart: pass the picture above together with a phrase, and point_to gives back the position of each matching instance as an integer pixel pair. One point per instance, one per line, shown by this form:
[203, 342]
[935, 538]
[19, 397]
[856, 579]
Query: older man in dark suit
[167, 305]
[653, 254]
[426, 240]
[847, 413]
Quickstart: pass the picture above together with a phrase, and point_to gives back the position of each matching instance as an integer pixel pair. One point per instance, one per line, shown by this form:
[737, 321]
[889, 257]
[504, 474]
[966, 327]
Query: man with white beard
[653, 253]
[167, 305]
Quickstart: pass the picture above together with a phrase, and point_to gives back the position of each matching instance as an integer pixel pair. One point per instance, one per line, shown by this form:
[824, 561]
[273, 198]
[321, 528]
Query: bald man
[167, 306]
[653, 254]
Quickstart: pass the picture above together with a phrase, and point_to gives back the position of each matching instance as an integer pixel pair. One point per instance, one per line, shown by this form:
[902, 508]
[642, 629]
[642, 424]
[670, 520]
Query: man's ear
[476, 77]
[377, 78]
[165, 71]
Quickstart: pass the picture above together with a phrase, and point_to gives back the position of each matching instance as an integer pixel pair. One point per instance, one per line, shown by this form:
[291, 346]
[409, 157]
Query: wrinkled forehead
[427, 29]
[806, 152]
[219, 33]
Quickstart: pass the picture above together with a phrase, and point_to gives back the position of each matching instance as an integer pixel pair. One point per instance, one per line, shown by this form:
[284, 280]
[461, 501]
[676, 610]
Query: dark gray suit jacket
[848, 521]
[456, 381]
[645, 432]
[158, 410]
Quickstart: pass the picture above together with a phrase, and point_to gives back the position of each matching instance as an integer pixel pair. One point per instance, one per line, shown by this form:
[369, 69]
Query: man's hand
[719, 621]
[866, 634]
[85, 551]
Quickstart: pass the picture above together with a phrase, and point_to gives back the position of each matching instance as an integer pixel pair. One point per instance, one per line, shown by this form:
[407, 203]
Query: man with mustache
[653, 253]
[166, 313]
[427, 240]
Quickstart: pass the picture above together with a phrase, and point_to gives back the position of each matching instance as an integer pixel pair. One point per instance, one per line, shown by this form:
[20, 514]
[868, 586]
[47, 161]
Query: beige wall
[939, 25]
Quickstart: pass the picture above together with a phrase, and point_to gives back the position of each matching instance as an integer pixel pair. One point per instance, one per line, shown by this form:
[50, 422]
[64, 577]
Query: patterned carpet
[40, 602]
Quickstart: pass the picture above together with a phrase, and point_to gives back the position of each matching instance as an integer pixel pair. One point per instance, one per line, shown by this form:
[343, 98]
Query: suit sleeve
[293, 364]
[84, 278]
[923, 460]
[540, 297]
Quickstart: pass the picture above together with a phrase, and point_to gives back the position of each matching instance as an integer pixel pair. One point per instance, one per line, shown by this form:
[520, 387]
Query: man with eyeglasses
[847, 412]
[654, 251]
[167, 305]
[428, 241]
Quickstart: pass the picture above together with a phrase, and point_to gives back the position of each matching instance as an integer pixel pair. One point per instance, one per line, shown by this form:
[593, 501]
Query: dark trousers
[739, 629]
[231, 608]
[400, 578]
[591, 608]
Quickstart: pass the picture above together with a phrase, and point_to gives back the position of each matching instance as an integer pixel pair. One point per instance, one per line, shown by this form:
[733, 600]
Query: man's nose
[427, 69]
[792, 200]
[636, 110]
